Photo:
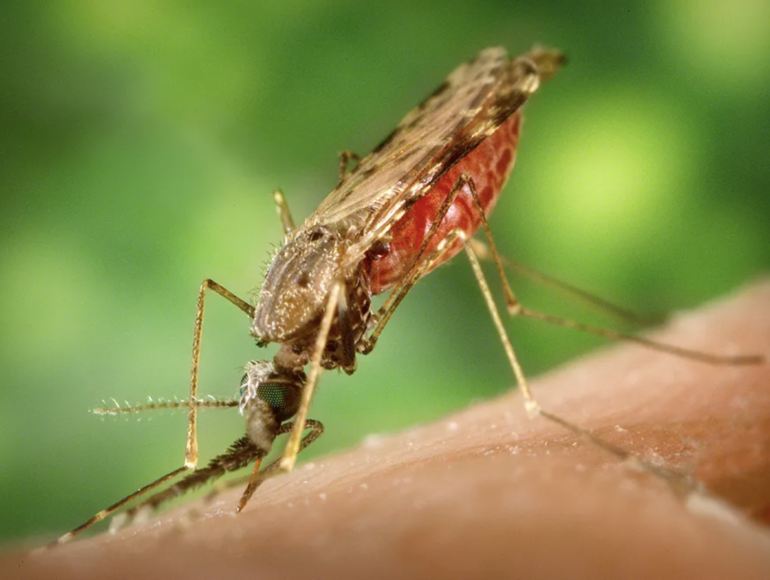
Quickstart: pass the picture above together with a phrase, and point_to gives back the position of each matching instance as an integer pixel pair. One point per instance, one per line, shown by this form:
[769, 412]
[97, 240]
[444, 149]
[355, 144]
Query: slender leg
[416, 270]
[513, 305]
[704, 357]
[258, 477]
[345, 158]
[283, 211]
[191, 449]
[238, 456]
[116, 506]
[422, 264]
[679, 482]
[253, 481]
[289, 457]
[515, 308]
[484, 253]
[193, 403]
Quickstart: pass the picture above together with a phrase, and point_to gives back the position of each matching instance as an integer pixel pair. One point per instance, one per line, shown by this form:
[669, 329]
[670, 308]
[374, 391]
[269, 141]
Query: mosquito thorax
[297, 284]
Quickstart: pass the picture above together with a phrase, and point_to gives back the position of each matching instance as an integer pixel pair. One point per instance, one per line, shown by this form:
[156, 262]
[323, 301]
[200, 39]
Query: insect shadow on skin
[403, 210]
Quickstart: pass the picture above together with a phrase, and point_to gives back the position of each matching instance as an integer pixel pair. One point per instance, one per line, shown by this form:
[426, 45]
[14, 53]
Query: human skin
[489, 492]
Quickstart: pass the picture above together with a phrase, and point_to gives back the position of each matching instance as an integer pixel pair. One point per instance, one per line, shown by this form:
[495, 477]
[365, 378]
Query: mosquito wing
[465, 109]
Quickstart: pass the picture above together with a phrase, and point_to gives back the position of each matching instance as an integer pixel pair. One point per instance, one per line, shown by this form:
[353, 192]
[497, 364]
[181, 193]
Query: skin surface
[488, 492]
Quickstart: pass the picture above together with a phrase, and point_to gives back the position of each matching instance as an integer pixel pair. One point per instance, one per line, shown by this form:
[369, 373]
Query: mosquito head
[268, 398]
[297, 284]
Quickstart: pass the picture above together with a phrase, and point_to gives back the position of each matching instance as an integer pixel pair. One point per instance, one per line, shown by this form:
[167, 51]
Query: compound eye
[280, 390]
[283, 398]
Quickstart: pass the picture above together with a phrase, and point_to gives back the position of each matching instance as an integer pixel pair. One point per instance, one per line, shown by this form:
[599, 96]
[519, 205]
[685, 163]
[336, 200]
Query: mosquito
[403, 210]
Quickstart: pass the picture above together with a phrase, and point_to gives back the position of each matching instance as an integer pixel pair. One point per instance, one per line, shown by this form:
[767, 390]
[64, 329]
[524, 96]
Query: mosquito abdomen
[489, 165]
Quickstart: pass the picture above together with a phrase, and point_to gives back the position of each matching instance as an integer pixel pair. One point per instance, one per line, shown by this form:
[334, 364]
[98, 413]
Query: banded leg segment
[704, 357]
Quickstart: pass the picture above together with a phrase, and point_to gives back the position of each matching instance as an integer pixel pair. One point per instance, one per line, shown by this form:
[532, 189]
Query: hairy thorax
[294, 297]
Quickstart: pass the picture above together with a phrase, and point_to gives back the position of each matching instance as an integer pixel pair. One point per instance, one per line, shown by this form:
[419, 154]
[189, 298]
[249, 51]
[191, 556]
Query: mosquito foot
[532, 408]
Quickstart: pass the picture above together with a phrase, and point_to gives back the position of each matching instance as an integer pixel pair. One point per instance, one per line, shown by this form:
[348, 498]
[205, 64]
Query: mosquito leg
[515, 308]
[289, 456]
[191, 448]
[283, 212]
[484, 253]
[345, 158]
[416, 270]
[258, 477]
[316, 430]
[191, 445]
[715, 359]
[118, 505]
[238, 456]
[679, 482]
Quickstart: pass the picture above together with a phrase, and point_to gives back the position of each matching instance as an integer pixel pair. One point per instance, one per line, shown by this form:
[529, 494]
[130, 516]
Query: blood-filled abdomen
[489, 165]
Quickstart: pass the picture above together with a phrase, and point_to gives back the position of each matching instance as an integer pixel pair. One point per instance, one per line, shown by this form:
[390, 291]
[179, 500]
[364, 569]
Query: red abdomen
[489, 165]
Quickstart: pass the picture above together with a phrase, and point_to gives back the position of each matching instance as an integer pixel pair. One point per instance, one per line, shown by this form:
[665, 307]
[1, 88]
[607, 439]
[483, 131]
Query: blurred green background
[141, 140]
